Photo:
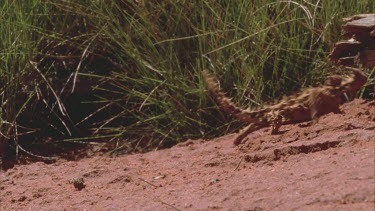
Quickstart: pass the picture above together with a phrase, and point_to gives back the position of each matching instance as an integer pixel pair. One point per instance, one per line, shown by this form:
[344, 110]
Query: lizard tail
[226, 103]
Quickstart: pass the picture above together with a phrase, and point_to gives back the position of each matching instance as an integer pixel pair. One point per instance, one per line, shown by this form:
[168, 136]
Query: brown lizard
[305, 105]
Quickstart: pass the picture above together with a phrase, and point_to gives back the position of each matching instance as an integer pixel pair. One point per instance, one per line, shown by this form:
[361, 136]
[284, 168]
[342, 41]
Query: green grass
[145, 61]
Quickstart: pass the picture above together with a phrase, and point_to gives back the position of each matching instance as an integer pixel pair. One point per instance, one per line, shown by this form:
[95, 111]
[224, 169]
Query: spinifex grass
[149, 91]
[18, 44]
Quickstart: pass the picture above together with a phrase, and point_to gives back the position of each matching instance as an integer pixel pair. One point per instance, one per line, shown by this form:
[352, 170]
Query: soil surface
[326, 166]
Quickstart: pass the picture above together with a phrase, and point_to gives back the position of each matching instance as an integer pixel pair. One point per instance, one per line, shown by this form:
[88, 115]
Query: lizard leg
[246, 131]
[276, 124]
[275, 128]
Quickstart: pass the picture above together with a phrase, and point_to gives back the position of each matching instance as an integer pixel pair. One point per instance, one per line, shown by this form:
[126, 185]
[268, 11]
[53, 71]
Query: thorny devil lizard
[305, 105]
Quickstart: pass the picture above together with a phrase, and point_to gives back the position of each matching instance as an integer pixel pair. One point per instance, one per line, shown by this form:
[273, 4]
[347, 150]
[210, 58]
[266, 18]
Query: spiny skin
[308, 104]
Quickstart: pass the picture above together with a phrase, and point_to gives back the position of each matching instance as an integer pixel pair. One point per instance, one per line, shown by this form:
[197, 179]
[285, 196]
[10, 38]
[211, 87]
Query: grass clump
[142, 60]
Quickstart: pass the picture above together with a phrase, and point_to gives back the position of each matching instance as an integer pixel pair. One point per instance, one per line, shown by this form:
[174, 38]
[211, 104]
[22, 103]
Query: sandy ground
[327, 166]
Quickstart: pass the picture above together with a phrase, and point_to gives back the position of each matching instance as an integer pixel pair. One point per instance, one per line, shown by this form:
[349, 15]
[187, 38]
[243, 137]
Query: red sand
[327, 166]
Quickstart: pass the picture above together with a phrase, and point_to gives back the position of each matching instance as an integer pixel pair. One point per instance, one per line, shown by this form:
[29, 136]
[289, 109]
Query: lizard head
[355, 82]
